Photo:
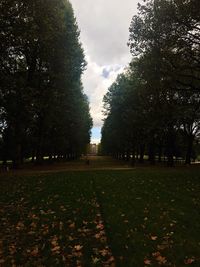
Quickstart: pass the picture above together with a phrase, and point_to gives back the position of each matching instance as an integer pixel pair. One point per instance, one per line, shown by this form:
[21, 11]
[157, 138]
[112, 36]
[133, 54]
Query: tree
[42, 61]
[160, 98]
[162, 35]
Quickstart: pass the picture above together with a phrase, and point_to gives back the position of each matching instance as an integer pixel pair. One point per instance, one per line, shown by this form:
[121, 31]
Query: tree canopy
[43, 110]
[154, 107]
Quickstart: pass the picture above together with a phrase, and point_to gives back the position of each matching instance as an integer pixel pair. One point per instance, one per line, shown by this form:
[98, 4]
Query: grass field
[126, 218]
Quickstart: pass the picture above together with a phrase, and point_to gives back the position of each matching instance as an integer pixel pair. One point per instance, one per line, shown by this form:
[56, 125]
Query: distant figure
[87, 162]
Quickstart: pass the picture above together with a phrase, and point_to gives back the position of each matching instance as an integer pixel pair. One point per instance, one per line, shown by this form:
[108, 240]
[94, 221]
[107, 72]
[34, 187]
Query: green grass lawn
[141, 217]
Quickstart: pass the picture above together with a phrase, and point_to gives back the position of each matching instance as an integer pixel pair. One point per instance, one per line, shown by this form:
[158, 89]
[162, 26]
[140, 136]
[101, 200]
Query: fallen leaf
[95, 260]
[161, 260]
[12, 249]
[20, 226]
[154, 238]
[104, 252]
[78, 247]
[72, 225]
[33, 225]
[100, 226]
[71, 238]
[111, 259]
[189, 261]
[31, 233]
[54, 243]
[147, 262]
[55, 249]
[35, 252]
[156, 254]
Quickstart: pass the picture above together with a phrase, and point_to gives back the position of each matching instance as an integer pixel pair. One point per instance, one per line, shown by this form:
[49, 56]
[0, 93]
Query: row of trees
[43, 110]
[154, 107]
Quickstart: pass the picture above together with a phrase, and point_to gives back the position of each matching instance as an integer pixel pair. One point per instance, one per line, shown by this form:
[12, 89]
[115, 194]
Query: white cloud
[96, 86]
[104, 26]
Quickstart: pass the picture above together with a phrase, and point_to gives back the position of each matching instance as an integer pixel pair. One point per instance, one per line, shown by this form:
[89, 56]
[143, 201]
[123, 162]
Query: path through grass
[143, 217]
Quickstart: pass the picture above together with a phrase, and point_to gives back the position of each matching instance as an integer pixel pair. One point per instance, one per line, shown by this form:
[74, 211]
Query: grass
[141, 217]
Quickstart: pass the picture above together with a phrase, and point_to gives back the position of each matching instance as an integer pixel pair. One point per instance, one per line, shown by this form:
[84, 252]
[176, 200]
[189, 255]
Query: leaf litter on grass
[51, 231]
[58, 221]
[160, 229]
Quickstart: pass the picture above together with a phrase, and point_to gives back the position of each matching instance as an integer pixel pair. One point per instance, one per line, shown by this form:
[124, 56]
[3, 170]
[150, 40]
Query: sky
[104, 32]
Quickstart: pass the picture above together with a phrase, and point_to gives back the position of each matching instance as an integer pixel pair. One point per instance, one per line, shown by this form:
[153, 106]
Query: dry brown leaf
[100, 226]
[154, 238]
[33, 225]
[35, 252]
[104, 252]
[72, 225]
[189, 261]
[31, 233]
[97, 236]
[20, 226]
[54, 243]
[55, 249]
[78, 247]
[161, 259]
[111, 259]
[147, 262]
[12, 249]
[95, 260]
[162, 246]
[156, 254]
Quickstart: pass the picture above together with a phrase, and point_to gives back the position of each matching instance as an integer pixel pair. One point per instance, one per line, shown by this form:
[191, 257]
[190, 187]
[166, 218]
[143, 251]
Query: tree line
[153, 108]
[43, 109]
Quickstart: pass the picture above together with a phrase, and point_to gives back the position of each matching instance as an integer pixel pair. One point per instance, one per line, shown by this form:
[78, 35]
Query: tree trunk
[17, 157]
[39, 152]
[189, 149]
[133, 157]
[160, 154]
[142, 149]
[170, 148]
[128, 156]
[170, 161]
[152, 154]
[33, 156]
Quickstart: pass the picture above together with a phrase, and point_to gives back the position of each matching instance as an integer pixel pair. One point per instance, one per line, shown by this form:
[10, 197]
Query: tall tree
[164, 41]
[42, 61]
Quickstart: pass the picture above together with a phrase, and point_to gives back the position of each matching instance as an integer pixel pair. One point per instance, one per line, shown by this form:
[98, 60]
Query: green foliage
[163, 104]
[43, 107]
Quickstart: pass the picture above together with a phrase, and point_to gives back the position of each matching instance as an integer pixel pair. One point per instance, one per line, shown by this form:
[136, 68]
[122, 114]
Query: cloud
[109, 69]
[104, 26]
[96, 86]
[105, 73]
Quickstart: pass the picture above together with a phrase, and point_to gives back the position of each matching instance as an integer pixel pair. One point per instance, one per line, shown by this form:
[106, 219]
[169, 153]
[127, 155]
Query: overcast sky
[104, 30]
